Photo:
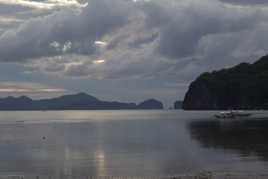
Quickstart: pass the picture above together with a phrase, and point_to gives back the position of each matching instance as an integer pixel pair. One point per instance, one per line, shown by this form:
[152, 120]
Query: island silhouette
[244, 86]
[80, 101]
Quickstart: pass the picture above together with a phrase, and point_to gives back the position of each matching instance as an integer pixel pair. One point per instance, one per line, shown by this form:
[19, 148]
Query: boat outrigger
[232, 114]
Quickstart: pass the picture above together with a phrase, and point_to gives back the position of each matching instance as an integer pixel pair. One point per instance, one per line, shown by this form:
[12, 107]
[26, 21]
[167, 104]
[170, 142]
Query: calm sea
[130, 143]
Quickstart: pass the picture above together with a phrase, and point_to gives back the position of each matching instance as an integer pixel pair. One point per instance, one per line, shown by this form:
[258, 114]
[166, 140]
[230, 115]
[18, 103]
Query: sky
[124, 50]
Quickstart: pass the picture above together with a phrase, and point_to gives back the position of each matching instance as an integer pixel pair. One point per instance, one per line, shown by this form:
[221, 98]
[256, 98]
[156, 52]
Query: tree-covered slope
[244, 86]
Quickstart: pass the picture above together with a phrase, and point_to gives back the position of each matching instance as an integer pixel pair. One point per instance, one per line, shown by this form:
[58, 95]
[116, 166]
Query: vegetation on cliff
[244, 86]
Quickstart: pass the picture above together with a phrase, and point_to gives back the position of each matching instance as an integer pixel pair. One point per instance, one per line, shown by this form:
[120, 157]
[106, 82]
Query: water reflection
[248, 137]
[126, 143]
[120, 147]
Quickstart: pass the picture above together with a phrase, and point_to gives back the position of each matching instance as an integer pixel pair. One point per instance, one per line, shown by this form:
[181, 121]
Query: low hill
[150, 104]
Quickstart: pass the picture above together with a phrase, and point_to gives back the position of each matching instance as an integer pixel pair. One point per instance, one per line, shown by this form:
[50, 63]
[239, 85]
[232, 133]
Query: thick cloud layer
[65, 31]
[166, 42]
[247, 2]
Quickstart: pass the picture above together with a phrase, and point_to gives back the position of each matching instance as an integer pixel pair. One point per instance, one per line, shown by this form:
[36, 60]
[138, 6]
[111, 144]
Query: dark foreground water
[130, 143]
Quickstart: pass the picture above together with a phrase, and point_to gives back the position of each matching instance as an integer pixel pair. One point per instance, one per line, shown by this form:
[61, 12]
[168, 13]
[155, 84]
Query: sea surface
[130, 143]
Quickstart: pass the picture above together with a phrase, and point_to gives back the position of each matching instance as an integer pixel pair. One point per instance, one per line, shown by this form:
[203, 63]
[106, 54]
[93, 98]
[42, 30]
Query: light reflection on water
[129, 143]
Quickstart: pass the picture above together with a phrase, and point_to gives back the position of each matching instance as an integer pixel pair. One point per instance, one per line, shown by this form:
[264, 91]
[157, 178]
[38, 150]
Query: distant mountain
[80, 101]
[244, 86]
[150, 104]
[178, 105]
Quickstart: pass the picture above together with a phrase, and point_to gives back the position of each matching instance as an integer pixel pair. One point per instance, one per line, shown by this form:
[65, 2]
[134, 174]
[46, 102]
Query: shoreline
[201, 175]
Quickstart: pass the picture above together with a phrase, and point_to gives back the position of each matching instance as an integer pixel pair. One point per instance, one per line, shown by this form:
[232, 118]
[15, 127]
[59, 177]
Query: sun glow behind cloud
[100, 61]
[101, 43]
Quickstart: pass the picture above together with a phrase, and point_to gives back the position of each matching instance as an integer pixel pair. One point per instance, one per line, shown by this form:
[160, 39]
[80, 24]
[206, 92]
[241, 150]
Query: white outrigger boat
[232, 114]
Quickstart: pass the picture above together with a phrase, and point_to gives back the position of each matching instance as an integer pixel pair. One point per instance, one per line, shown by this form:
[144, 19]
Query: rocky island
[244, 86]
[80, 101]
[178, 105]
[150, 104]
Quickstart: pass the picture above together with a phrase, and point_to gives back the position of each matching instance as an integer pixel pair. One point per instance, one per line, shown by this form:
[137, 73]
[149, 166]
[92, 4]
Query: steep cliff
[244, 86]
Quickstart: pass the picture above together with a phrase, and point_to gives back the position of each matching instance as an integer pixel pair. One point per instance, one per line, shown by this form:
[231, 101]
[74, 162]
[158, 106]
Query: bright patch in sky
[101, 43]
[98, 61]
[49, 4]
[26, 87]
[71, 64]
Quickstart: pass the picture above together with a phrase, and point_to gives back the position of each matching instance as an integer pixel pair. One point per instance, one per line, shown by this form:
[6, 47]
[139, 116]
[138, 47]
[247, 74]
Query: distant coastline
[80, 101]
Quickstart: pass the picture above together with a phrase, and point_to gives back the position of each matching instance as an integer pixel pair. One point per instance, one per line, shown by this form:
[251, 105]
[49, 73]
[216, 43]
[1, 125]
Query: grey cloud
[160, 41]
[137, 43]
[6, 9]
[33, 38]
[24, 10]
[247, 2]
[180, 29]
[56, 67]
[180, 38]
[80, 70]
